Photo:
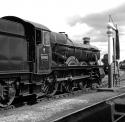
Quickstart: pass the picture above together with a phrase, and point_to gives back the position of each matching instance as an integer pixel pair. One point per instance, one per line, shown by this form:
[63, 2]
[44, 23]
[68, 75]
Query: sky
[78, 18]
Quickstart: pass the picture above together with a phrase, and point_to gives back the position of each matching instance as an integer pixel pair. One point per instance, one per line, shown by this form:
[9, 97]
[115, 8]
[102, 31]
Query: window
[38, 36]
[46, 38]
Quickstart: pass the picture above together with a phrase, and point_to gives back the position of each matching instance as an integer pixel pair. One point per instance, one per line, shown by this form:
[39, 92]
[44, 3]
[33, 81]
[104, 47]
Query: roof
[36, 25]
[11, 27]
[24, 22]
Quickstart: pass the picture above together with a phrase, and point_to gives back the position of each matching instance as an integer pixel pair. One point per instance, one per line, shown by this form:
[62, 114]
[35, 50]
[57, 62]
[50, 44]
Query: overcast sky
[78, 18]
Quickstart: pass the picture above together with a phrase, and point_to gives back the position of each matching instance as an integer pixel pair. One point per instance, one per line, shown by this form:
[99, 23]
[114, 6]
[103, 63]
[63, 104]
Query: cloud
[98, 21]
[78, 31]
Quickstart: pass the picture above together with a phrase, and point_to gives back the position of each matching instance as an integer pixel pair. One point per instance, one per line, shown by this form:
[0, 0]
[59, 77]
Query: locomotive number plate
[44, 57]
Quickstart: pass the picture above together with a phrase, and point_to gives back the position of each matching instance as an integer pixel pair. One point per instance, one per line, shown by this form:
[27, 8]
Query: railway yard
[89, 106]
[46, 77]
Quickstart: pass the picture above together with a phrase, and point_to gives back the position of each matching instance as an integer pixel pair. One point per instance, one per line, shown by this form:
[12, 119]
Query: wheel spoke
[82, 85]
[52, 89]
[7, 94]
[50, 86]
[68, 87]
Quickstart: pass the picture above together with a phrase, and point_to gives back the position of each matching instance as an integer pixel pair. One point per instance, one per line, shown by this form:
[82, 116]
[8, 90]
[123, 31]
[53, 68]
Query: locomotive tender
[36, 61]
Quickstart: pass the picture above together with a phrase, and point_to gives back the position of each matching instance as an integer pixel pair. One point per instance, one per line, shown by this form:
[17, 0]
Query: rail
[104, 111]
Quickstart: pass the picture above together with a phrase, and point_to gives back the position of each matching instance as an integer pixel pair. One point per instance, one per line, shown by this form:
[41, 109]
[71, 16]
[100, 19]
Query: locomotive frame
[30, 64]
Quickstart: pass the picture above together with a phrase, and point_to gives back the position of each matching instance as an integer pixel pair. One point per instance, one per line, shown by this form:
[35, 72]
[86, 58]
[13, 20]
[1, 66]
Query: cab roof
[24, 22]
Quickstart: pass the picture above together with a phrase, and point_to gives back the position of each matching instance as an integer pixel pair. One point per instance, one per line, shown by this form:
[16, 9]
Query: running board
[73, 78]
[77, 67]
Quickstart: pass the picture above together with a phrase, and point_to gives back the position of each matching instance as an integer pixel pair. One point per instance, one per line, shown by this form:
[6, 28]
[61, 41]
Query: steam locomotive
[36, 61]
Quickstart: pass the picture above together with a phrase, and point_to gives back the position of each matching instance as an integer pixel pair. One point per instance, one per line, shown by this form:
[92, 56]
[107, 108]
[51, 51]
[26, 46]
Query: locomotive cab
[43, 51]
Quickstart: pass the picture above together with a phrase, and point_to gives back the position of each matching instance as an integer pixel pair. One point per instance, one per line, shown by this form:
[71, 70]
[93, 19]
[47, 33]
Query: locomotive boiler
[36, 61]
[66, 51]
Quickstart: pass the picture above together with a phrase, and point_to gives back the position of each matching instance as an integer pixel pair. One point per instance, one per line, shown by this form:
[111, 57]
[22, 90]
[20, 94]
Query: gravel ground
[41, 111]
[91, 99]
[56, 108]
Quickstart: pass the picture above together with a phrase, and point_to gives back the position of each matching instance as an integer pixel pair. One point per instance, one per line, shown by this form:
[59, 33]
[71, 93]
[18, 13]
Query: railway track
[105, 108]
[109, 110]
[32, 100]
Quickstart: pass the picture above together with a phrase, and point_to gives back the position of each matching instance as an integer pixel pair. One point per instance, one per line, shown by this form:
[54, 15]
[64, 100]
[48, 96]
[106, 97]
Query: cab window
[46, 38]
[38, 36]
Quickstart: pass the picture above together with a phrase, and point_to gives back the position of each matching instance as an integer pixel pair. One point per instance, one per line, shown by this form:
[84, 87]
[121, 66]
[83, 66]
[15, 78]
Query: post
[110, 28]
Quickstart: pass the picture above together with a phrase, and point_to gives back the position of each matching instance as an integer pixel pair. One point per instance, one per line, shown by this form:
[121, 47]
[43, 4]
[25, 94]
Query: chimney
[86, 40]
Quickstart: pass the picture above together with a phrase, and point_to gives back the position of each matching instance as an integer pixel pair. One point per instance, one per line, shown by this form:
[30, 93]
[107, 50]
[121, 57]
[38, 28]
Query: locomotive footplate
[73, 78]
[76, 67]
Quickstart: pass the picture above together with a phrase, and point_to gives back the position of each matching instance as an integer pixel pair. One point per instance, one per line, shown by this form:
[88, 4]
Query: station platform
[54, 110]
